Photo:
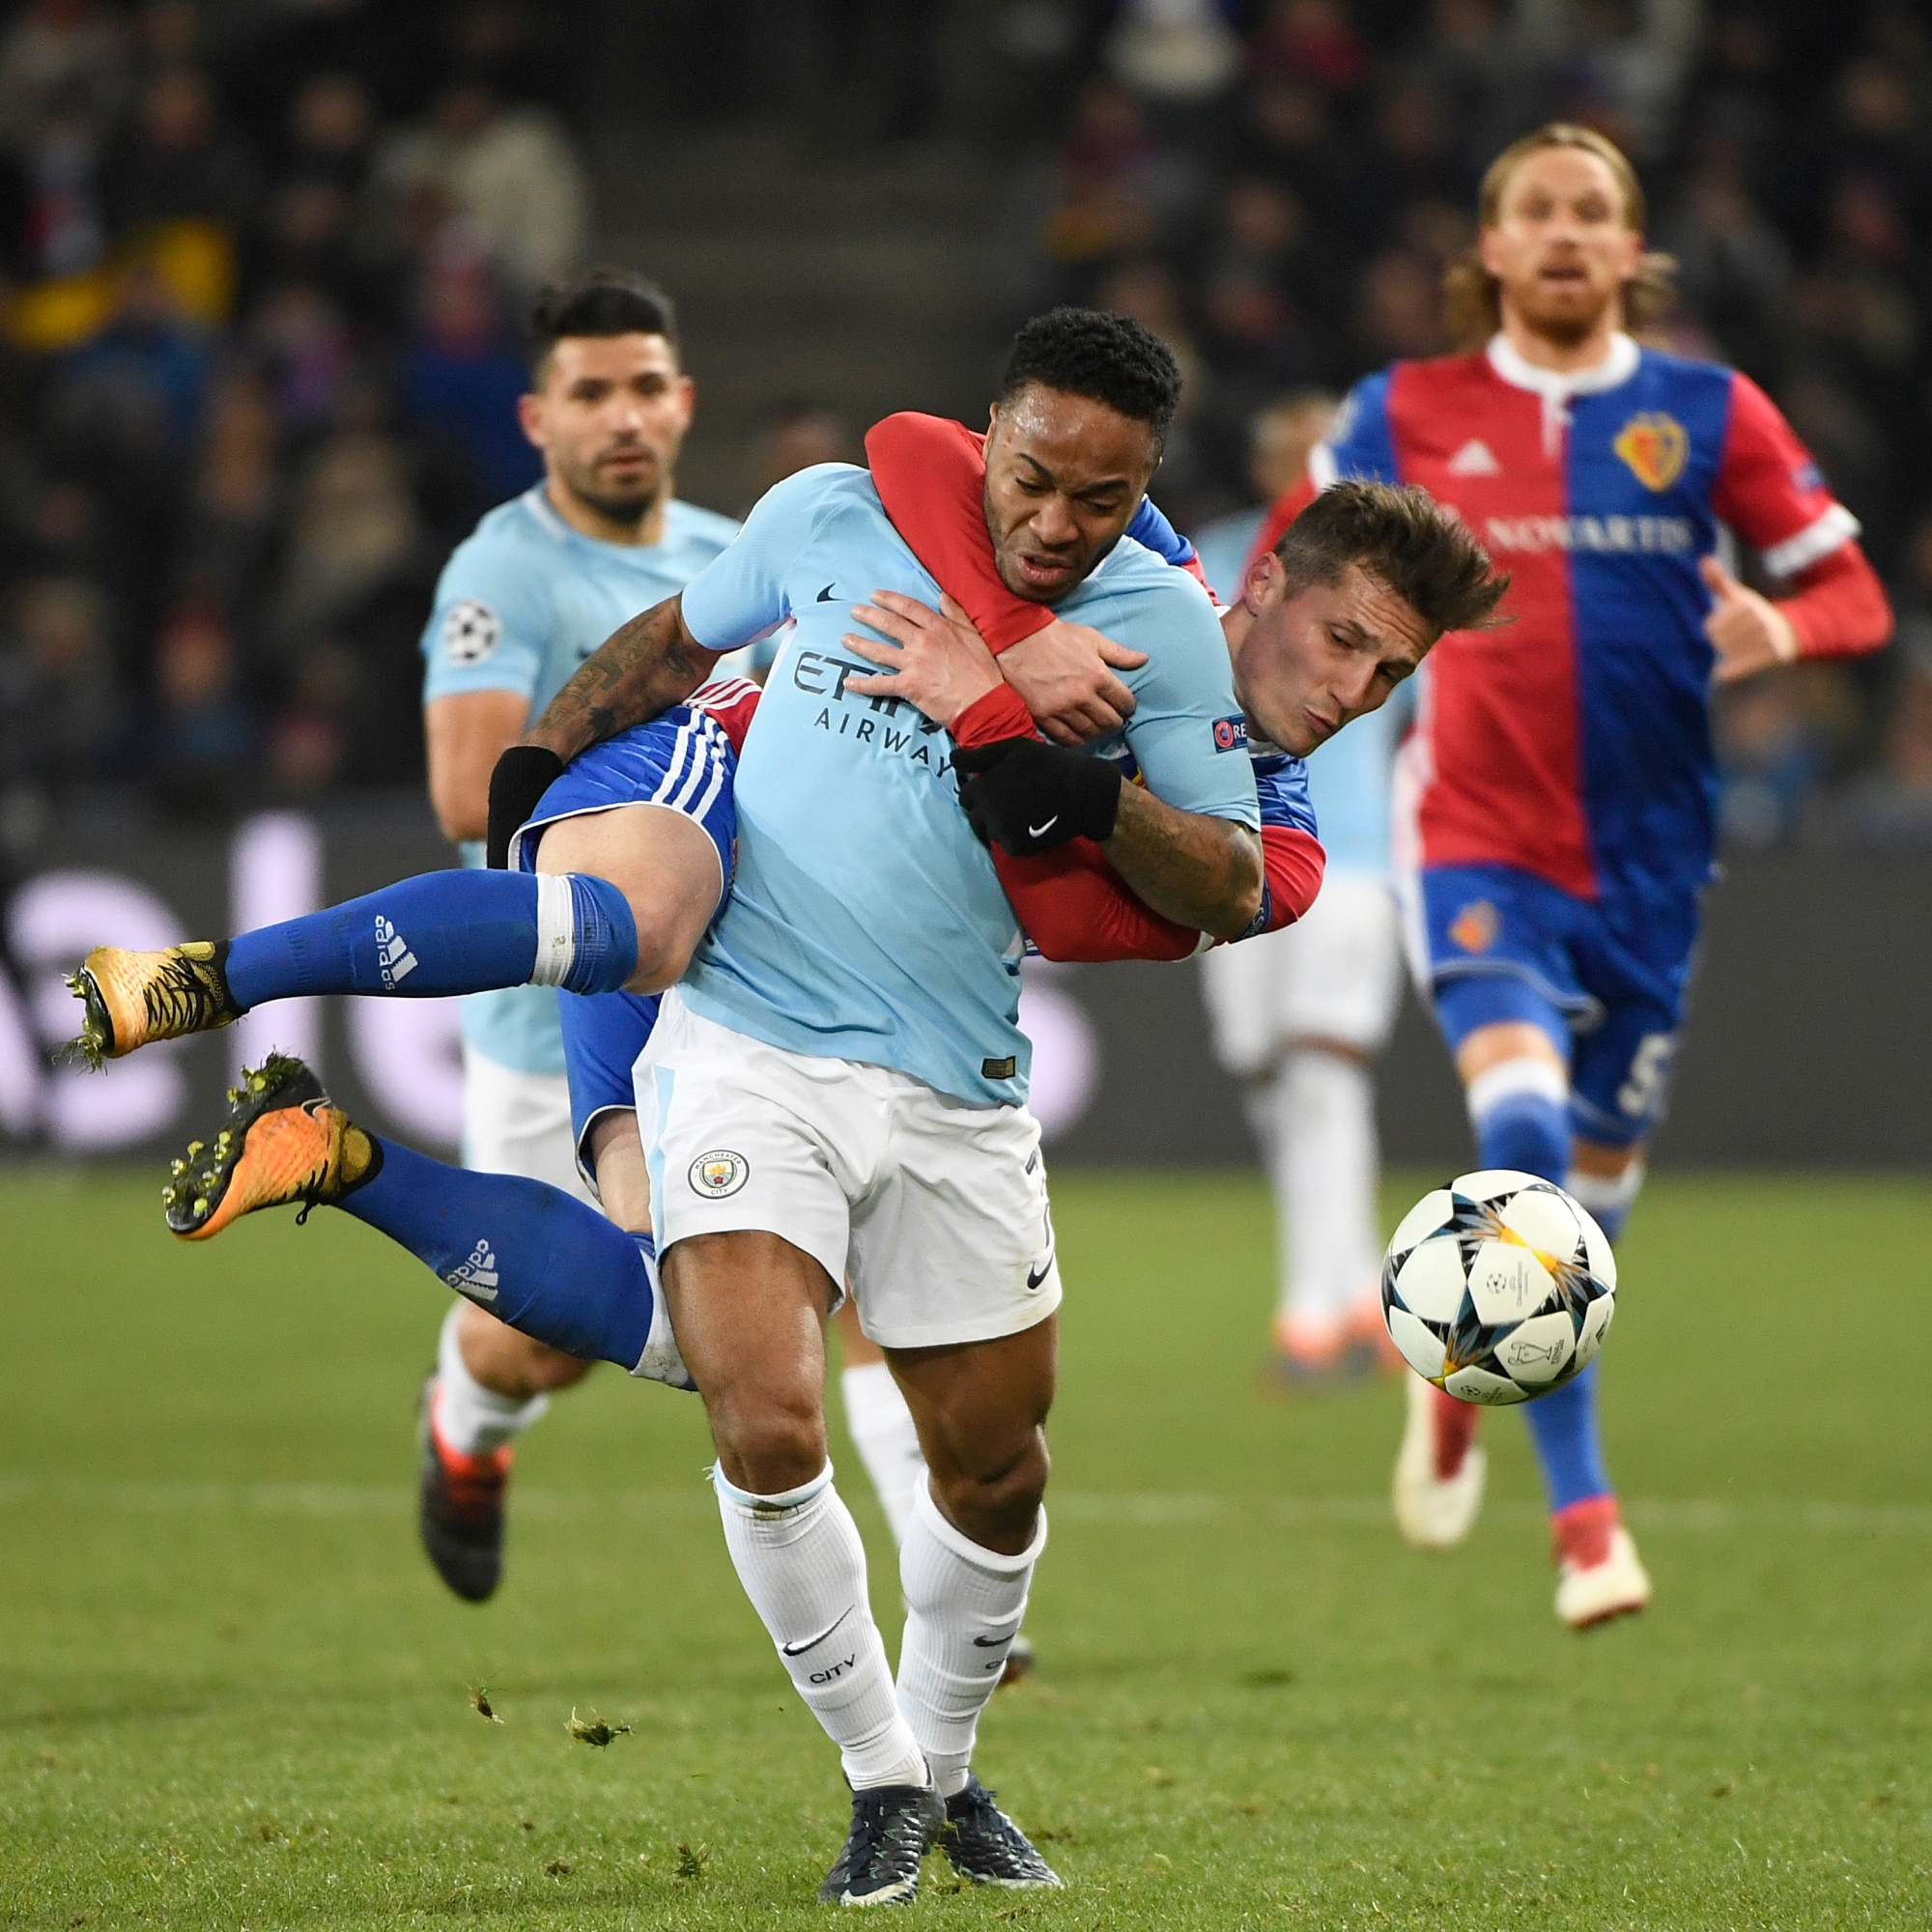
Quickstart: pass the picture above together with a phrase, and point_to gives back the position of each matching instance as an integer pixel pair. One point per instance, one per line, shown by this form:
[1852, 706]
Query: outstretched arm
[642, 667]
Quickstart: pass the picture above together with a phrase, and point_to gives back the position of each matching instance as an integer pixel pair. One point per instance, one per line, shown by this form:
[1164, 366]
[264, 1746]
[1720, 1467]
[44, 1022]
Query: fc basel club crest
[1656, 447]
[1474, 928]
[718, 1174]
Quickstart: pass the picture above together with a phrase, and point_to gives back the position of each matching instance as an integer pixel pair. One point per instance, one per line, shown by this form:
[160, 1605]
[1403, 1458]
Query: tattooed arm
[1197, 870]
[643, 668]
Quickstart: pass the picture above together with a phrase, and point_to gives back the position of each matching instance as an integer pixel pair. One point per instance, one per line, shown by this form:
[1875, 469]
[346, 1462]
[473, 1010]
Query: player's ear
[1264, 582]
[530, 418]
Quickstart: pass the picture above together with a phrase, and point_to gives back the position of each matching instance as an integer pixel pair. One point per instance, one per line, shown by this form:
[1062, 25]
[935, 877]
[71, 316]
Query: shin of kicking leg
[444, 932]
[749, 1310]
[545, 1264]
[977, 1531]
[1516, 1083]
[665, 866]
[1569, 1445]
[1519, 1093]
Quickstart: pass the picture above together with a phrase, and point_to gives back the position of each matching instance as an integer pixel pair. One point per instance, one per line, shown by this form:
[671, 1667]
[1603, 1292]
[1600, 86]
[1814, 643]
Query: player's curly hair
[600, 301]
[1406, 540]
[1472, 300]
[1092, 352]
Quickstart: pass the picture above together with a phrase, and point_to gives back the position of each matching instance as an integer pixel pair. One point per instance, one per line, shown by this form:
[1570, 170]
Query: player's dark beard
[626, 507]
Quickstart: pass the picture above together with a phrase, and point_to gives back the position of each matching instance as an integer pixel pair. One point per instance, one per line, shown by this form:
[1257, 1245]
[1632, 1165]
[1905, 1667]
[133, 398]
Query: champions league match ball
[1498, 1287]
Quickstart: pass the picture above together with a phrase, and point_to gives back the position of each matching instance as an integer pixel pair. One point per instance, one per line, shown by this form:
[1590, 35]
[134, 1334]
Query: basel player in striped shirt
[1554, 800]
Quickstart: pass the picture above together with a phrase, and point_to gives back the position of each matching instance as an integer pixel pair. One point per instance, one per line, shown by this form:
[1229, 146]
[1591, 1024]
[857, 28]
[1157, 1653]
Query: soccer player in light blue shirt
[537, 587]
[837, 1088]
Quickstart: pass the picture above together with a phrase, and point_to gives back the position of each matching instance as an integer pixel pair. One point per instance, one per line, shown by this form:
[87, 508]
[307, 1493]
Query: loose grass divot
[593, 1730]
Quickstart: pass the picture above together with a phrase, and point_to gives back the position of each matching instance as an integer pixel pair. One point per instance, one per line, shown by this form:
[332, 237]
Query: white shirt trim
[1323, 469]
[1836, 528]
[1618, 366]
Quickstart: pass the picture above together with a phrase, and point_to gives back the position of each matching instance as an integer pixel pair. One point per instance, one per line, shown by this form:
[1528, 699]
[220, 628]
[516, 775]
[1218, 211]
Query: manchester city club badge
[718, 1174]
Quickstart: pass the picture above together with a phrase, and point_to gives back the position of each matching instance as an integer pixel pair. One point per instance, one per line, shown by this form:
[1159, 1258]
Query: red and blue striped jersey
[1574, 740]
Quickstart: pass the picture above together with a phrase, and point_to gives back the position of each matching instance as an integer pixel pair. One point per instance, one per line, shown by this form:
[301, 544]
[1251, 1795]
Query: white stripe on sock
[1528, 1074]
[557, 930]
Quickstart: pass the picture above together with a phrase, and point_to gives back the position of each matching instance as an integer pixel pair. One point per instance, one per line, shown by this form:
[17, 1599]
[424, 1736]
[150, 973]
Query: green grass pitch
[233, 1695]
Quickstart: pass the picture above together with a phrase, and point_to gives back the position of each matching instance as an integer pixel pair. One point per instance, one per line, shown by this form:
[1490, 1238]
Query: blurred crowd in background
[264, 270]
[262, 264]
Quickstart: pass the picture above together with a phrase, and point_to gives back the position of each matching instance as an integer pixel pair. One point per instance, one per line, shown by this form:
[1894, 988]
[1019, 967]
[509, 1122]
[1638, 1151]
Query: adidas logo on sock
[478, 1276]
[392, 955]
[1474, 459]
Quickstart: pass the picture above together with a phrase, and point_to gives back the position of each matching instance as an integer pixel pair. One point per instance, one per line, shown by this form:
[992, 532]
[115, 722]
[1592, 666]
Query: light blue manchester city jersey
[521, 602]
[866, 921]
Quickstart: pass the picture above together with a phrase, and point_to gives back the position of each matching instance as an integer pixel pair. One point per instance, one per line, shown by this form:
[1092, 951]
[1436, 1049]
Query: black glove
[517, 785]
[1028, 797]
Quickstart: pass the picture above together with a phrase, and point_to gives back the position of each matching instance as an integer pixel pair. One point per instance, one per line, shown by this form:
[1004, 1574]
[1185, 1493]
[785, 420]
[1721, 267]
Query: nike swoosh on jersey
[825, 595]
[811, 1643]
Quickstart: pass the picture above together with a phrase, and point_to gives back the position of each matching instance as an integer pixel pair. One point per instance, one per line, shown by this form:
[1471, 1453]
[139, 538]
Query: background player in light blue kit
[544, 580]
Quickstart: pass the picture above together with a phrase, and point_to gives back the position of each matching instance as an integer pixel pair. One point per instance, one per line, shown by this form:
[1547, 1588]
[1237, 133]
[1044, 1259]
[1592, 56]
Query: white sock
[470, 1419]
[802, 1564]
[1325, 1171]
[963, 1609]
[882, 1431]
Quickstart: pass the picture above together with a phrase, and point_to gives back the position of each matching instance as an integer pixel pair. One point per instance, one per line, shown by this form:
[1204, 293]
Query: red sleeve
[1839, 608]
[931, 477]
[1074, 904]
[731, 700]
[1769, 491]
[1294, 864]
[1286, 507]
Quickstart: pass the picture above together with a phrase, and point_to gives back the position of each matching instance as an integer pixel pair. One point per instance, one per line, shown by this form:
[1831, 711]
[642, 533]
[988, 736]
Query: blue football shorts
[603, 1036]
[1605, 980]
[681, 761]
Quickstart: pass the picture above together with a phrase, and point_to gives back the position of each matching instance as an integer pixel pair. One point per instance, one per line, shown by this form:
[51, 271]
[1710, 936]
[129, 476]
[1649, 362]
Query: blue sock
[1563, 1426]
[1521, 1123]
[549, 1266]
[1526, 1131]
[446, 932]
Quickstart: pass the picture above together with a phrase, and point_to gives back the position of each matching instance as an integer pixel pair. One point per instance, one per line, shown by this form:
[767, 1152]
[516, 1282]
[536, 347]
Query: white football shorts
[935, 1211]
[1336, 974]
[518, 1123]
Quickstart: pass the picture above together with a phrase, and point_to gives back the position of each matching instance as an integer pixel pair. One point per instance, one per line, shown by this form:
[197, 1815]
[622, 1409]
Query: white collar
[1557, 386]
